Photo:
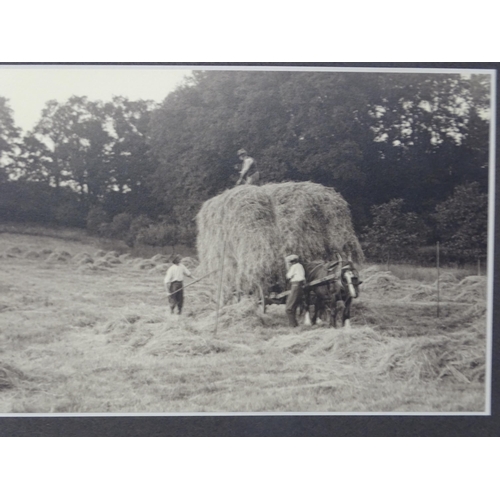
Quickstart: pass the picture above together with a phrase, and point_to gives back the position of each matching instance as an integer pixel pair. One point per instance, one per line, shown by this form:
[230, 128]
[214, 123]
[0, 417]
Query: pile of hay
[58, 256]
[144, 264]
[112, 258]
[15, 250]
[159, 269]
[379, 281]
[124, 257]
[471, 290]
[256, 227]
[314, 221]
[9, 376]
[380, 284]
[32, 254]
[100, 262]
[460, 356]
[240, 225]
[119, 329]
[83, 258]
[103, 263]
[160, 259]
[243, 313]
[182, 344]
[422, 293]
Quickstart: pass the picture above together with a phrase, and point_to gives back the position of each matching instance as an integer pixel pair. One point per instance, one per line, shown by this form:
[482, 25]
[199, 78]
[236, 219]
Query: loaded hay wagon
[247, 231]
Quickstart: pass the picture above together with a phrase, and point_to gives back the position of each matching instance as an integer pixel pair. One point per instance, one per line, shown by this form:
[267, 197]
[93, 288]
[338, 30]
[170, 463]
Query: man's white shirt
[296, 272]
[176, 273]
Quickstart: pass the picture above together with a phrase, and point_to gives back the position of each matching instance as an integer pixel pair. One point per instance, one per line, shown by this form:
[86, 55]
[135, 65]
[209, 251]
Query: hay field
[83, 330]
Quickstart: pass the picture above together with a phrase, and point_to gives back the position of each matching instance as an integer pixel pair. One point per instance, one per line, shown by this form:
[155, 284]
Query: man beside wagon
[297, 276]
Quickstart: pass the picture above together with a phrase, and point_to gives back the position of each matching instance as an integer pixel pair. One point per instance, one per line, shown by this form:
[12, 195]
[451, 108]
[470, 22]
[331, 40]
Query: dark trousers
[292, 302]
[253, 179]
[176, 297]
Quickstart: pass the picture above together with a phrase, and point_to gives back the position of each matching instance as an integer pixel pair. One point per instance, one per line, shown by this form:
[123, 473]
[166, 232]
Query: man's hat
[242, 152]
[292, 257]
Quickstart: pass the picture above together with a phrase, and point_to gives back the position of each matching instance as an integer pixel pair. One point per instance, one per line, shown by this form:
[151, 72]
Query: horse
[335, 294]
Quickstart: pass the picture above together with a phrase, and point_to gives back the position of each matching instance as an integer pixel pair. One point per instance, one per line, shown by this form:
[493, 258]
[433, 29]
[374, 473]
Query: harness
[334, 277]
[315, 267]
[350, 285]
[327, 279]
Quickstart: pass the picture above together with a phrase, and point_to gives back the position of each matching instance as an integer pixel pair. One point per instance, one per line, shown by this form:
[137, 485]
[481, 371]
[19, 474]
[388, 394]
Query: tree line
[409, 152]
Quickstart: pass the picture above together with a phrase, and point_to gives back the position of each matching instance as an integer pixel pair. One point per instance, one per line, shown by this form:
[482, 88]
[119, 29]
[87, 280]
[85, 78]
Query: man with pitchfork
[174, 283]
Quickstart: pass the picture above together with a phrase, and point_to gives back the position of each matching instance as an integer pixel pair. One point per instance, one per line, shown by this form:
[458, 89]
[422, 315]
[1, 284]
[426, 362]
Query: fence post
[220, 287]
[437, 282]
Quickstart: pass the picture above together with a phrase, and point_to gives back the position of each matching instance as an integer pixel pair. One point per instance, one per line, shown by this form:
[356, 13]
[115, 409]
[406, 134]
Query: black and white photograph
[246, 240]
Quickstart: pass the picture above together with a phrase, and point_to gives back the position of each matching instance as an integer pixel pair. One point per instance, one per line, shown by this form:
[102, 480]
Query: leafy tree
[71, 138]
[98, 149]
[120, 225]
[394, 234]
[462, 223]
[19, 200]
[96, 217]
[130, 161]
[374, 137]
[159, 235]
[139, 223]
[9, 141]
[297, 125]
[69, 211]
[36, 161]
[22, 201]
[431, 133]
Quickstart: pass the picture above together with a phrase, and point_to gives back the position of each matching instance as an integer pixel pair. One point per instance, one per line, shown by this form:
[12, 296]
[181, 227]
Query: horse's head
[350, 279]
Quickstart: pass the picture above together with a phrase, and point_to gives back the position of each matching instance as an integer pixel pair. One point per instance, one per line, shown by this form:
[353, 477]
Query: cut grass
[105, 342]
[425, 274]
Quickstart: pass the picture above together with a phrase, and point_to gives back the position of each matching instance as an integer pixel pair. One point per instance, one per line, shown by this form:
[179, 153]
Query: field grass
[81, 236]
[84, 330]
[427, 274]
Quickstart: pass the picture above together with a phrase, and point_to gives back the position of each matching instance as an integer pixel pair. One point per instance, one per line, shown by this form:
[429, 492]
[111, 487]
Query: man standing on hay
[248, 173]
[297, 276]
[174, 283]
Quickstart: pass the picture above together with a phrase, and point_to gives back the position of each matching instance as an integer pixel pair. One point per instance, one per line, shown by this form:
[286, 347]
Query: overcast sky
[29, 88]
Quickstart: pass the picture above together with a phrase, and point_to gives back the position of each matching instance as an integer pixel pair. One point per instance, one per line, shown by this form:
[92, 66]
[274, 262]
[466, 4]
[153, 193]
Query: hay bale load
[314, 221]
[239, 223]
[256, 227]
